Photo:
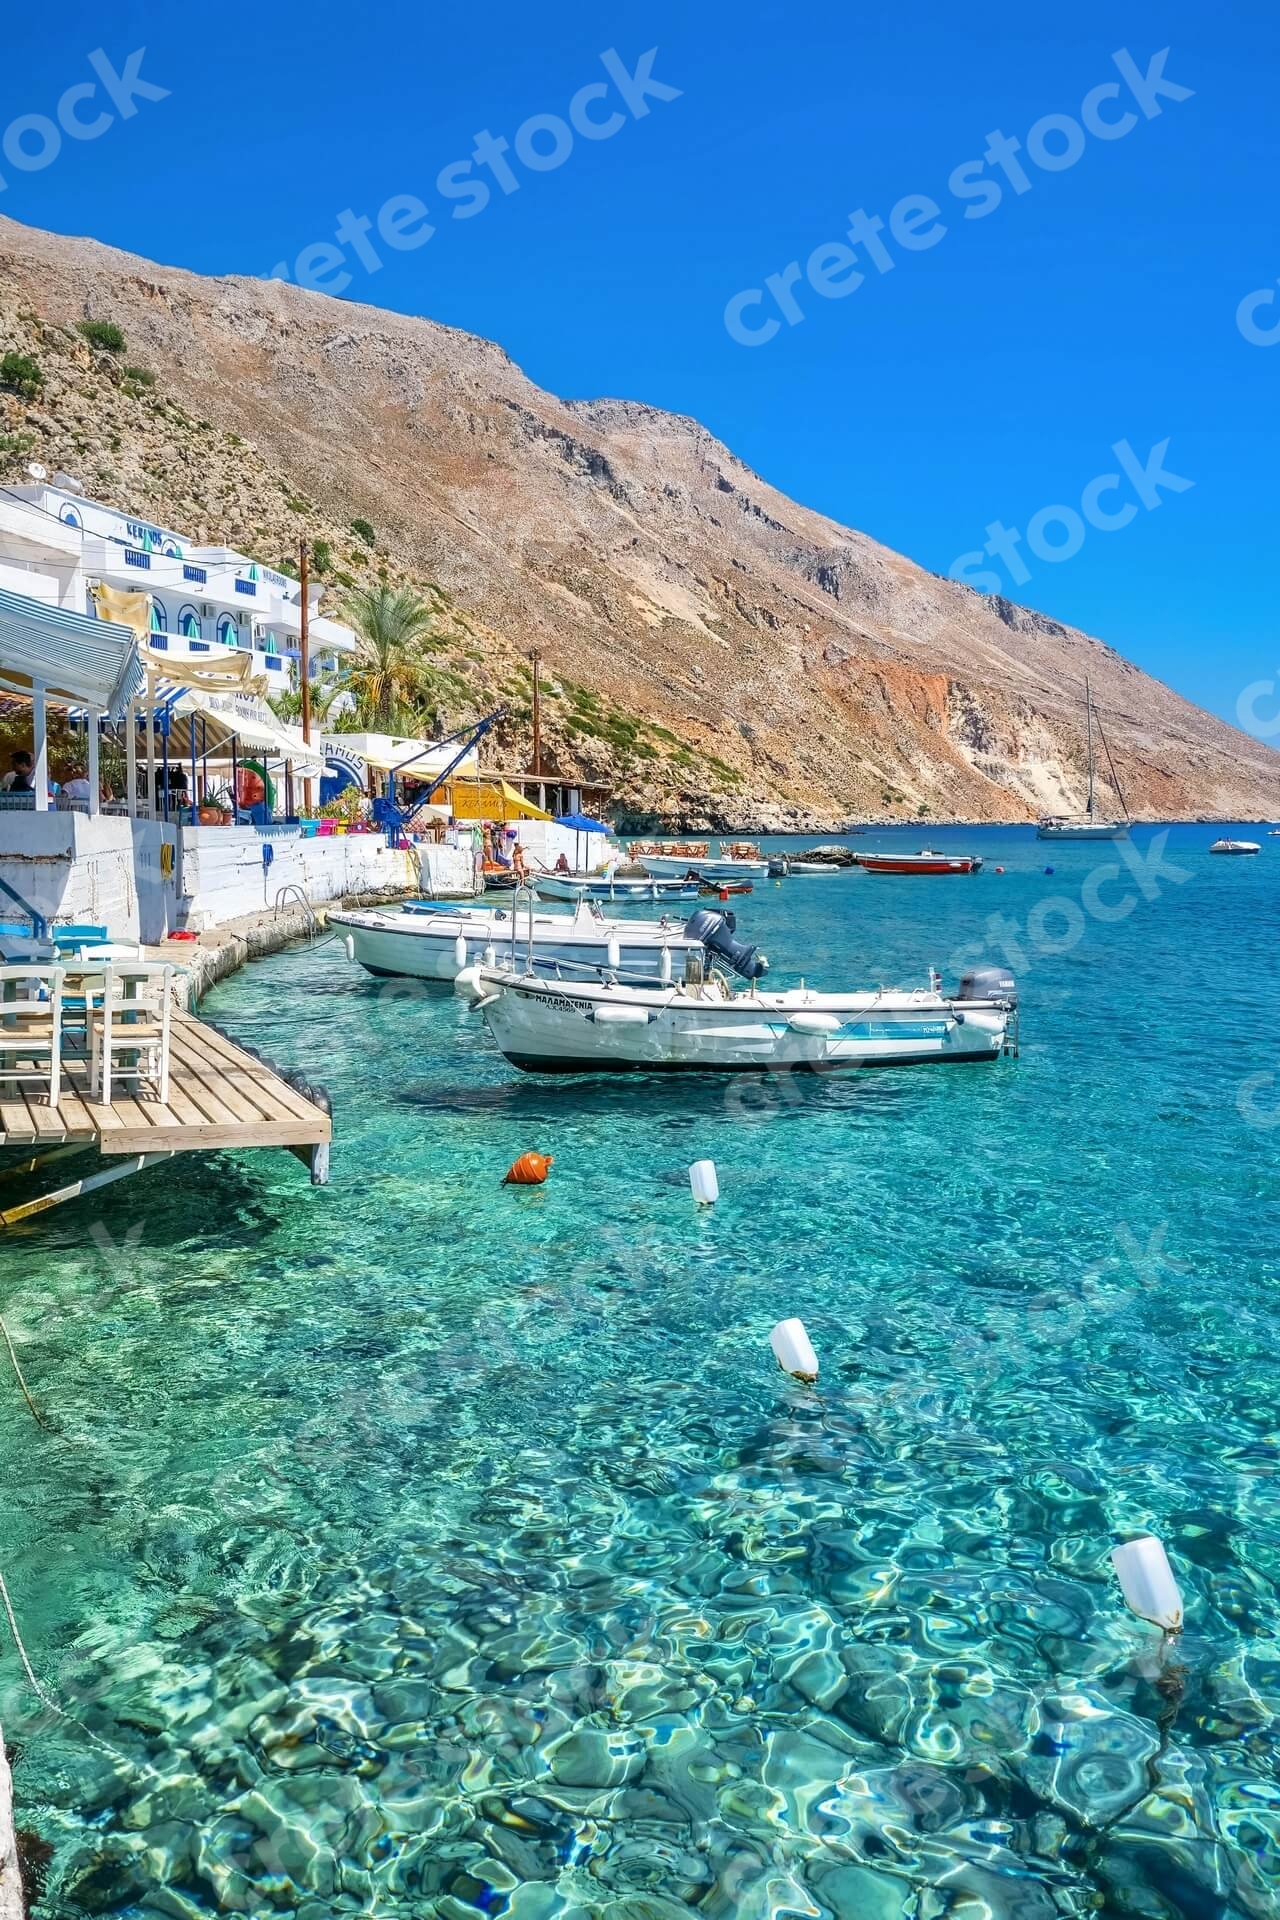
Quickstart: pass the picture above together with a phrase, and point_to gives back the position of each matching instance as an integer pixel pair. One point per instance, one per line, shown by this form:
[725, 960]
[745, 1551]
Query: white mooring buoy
[1147, 1582]
[703, 1181]
[793, 1350]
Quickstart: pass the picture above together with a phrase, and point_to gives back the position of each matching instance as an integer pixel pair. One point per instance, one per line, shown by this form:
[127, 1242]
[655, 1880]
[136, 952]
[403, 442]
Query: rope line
[36, 1687]
[36, 1413]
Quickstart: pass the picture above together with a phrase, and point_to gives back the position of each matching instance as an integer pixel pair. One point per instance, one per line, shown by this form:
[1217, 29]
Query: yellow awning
[483, 799]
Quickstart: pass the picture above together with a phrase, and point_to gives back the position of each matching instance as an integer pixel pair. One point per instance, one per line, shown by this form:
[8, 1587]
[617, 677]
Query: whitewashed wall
[544, 840]
[107, 871]
[223, 876]
[110, 871]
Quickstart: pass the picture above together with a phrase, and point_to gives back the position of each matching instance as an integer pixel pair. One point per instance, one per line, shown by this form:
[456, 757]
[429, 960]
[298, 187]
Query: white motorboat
[736, 860]
[546, 1026]
[598, 886]
[429, 940]
[1089, 825]
[1236, 846]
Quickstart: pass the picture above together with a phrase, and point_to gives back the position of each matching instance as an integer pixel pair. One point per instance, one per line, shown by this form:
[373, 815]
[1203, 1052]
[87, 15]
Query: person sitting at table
[76, 785]
[21, 775]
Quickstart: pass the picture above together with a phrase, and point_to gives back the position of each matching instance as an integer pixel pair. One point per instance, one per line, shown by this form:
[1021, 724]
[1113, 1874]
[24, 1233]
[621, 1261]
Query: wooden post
[537, 717]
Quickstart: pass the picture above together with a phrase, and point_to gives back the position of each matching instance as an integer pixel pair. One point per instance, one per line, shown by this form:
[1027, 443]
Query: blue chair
[76, 935]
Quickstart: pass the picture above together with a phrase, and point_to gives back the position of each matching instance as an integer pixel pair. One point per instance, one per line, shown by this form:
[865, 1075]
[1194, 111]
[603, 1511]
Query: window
[159, 616]
[132, 558]
[247, 586]
[197, 574]
[189, 623]
[70, 517]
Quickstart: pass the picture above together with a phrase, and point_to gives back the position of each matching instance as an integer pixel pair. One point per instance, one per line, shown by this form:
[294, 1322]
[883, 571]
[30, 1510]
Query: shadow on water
[744, 1097]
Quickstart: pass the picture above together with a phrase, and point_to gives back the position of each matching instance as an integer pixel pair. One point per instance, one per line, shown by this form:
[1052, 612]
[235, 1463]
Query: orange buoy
[724, 893]
[530, 1170]
[999, 869]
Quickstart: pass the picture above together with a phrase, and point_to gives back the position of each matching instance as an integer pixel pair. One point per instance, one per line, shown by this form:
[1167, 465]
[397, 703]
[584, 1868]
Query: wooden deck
[219, 1096]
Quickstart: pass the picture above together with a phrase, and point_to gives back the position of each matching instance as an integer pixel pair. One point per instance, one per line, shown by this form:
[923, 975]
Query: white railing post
[131, 759]
[94, 797]
[40, 731]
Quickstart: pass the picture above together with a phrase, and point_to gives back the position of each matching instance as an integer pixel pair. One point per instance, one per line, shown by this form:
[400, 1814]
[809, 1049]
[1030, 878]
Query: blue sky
[977, 381]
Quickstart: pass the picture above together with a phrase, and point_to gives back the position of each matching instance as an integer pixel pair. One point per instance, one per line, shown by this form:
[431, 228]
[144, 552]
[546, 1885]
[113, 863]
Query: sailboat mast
[1088, 714]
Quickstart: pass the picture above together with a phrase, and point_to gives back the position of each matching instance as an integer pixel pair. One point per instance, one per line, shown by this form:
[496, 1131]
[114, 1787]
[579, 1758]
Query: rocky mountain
[720, 654]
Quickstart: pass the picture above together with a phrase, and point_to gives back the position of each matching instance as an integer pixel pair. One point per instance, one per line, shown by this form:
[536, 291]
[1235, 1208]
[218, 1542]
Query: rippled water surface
[420, 1546]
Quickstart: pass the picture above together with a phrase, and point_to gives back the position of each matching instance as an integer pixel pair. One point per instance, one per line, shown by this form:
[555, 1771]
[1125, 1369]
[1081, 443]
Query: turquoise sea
[420, 1546]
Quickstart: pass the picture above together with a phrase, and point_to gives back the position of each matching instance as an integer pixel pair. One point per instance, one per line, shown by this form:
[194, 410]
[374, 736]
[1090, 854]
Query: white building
[55, 544]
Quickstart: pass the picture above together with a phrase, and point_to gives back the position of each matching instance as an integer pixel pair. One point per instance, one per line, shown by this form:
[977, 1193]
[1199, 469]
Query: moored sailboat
[1090, 825]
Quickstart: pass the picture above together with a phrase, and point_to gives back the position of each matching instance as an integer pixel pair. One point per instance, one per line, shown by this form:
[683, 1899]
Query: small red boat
[926, 861]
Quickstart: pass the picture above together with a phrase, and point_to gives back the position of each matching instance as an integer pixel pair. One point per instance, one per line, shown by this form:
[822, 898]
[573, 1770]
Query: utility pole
[304, 662]
[537, 718]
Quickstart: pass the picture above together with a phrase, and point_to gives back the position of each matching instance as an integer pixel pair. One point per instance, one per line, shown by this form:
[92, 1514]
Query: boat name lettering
[562, 1000]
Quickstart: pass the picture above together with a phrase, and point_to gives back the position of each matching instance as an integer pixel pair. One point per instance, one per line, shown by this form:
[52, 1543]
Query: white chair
[31, 1026]
[130, 1007]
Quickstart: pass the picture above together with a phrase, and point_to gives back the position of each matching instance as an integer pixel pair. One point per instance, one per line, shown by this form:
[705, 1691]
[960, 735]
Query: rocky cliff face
[720, 654]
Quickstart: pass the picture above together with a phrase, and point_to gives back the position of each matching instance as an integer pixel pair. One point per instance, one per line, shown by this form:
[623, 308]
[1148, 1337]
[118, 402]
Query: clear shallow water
[423, 1547]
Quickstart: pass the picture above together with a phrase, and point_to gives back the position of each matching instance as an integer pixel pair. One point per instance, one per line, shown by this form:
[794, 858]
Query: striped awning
[78, 661]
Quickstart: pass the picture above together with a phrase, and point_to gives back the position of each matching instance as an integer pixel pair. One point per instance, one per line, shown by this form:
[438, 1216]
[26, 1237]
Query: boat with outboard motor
[571, 886]
[1236, 846]
[438, 940]
[702, 1025]
[928, 860]
[736, 860]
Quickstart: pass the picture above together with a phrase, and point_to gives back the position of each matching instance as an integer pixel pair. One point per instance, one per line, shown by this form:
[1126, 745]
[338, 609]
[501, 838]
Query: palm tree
[386, 674]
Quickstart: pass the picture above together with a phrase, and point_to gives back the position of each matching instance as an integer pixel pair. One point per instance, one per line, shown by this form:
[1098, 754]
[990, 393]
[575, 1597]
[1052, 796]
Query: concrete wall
[544, 841]
[115, 872]
[223, 874]
[108, 870]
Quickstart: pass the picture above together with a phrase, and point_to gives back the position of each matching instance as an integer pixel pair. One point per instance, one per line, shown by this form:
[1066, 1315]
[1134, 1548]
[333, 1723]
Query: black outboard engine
[988, 983]
[716, 932]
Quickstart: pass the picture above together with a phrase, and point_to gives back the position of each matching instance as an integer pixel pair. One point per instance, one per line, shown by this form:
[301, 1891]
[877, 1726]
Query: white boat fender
[805, 1022]
[621, 1016]
[613, 952]
[469, 981]
[350, 946]
[460, 951]
[664, 967]
[1147, 1582]
[703, 1182]
[793, 1350]
[491, 955]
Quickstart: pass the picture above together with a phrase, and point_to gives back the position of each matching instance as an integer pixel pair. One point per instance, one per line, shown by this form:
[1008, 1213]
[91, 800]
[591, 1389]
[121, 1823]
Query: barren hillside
[720, 653]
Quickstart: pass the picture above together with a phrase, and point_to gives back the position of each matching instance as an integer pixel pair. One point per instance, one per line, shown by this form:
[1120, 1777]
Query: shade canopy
[579, 823]
[210, 720]
[78, 661]
[393, 753]
[491, 799]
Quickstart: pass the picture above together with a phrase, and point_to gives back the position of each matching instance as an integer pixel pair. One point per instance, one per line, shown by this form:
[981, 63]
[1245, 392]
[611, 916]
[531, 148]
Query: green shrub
[21, 374]
[140, 376]
[321, 555]
[102, 333]
[365, 532]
